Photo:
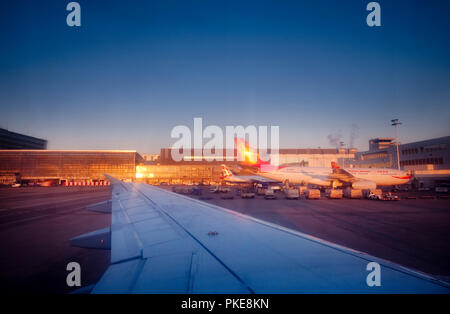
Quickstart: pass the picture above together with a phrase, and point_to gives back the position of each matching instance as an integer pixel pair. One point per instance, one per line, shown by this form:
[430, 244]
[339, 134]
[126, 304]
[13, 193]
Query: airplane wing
[260, 179]
[162, 242]
[250, 179]
[237, 179]
[228, 176]
[343, 175]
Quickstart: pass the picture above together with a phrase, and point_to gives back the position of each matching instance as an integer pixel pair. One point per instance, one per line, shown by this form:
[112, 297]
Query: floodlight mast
[396, 123]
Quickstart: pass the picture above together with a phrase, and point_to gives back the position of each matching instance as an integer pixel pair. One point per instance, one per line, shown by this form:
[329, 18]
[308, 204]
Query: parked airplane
[228, 176]
[334, 176]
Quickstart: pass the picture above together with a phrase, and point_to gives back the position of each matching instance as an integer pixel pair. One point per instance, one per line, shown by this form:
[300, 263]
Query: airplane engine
[364, 185]
[336, 184]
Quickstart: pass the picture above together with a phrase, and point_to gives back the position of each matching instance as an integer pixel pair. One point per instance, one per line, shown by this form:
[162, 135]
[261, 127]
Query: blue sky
[136, 69]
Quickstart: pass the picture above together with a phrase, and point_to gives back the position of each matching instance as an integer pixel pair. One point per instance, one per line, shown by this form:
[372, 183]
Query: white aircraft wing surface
[260, 179]
[162, 242]
[250, 179]
[343, 175]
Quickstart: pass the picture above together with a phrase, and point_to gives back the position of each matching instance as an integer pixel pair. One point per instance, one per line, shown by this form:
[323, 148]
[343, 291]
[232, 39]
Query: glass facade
[68, 165]
[182, 174]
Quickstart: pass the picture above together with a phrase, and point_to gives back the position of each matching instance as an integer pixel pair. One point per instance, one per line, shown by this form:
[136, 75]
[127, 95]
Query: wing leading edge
[162, 242]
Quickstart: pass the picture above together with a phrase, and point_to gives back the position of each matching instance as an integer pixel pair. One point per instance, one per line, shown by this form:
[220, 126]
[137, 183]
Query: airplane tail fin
[248, 154]
[226, 173]
[334, 165]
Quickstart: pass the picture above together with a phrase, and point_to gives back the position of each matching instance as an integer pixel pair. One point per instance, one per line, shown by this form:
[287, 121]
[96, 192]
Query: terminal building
[316, 157]
[428, 160]
[25, 159]
[75, 166]
[206, 169]
[12, 140]
[308, 157]
[67, 166]
[432, 154]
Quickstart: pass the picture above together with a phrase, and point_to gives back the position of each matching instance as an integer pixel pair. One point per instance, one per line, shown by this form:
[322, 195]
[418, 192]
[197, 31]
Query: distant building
[12, 140]
[381, 143]
[381, 154]
[64, 166]
[429, 160]
[205, 169]
[194, 159]
[308, 157]
[151, 158]
[316, 157]
[432, 154]
[179, 174]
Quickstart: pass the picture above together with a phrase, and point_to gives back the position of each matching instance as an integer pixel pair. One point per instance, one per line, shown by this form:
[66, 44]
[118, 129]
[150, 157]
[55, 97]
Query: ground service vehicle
[334, 193]
[247, 194]
[292, 194]
[313, 194]
[269, 194]
[353, 193]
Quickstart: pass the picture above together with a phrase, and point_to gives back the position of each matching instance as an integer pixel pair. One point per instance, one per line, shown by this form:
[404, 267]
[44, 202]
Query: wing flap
[125, 243]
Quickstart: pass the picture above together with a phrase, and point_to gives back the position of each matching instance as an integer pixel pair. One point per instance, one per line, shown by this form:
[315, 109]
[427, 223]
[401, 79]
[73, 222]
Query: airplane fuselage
[324, 176]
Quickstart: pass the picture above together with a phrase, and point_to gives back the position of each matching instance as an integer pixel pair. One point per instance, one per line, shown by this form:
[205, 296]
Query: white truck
[269, 194]
[291, 194]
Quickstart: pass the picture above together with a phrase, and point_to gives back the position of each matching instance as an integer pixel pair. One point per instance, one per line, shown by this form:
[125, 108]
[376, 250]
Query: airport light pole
[345, 162]
[396, 123]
